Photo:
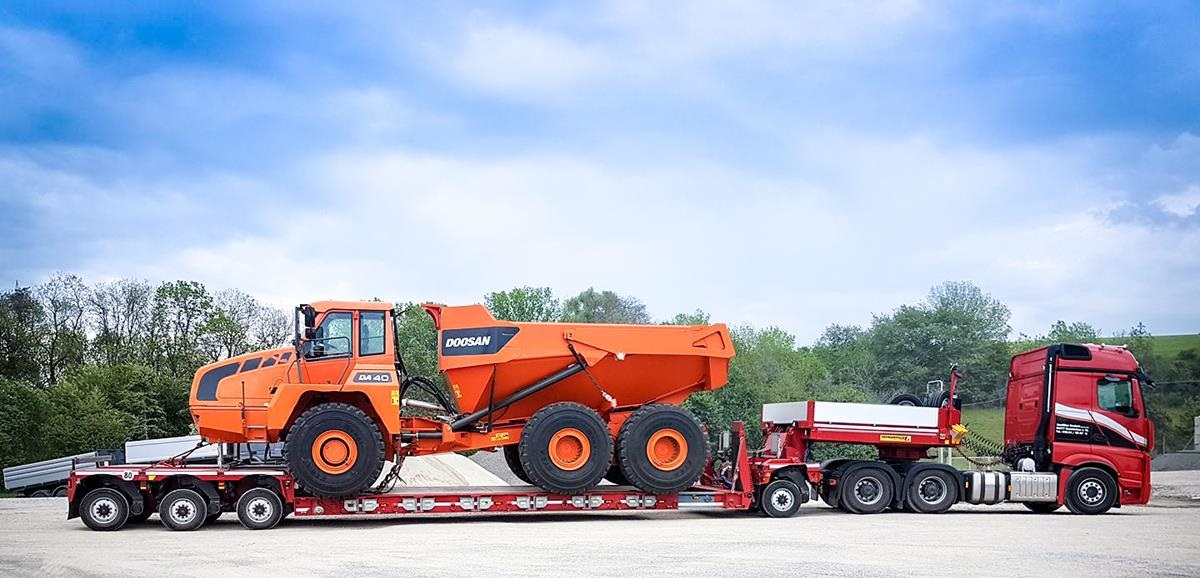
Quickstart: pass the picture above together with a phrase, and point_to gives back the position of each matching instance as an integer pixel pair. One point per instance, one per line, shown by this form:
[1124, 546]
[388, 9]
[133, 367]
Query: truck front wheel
[334, 450]
[1090, 491]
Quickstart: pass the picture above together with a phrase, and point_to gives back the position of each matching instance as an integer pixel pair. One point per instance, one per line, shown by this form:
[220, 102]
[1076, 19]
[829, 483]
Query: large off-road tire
[104, 509]
[932, 491]
[661, 449]
[565, 448]
[866, 490]
[334, 450]
[260, 509]
[183, 510]
[512, 456]
[1090, 491]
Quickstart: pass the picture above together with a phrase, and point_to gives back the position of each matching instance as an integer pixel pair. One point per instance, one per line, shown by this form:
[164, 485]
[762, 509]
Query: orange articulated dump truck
[569, 403]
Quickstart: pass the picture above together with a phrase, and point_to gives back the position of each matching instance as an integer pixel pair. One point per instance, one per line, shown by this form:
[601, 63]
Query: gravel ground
[37, 540]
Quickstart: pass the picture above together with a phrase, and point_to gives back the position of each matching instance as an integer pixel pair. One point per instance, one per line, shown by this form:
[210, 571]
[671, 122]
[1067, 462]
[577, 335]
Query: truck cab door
[329, 354]
[1121, 415]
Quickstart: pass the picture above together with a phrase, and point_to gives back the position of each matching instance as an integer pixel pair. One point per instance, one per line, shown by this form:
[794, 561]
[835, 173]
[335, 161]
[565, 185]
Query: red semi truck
[1076, 434]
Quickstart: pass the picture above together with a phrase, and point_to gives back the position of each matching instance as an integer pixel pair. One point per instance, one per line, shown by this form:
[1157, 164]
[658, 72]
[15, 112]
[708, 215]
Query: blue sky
[796, 164]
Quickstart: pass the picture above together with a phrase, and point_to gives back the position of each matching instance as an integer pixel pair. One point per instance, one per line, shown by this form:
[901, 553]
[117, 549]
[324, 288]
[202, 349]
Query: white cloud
[1182, 204]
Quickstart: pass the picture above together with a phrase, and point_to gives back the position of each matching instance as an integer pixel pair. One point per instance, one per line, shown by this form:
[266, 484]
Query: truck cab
[1072, 407]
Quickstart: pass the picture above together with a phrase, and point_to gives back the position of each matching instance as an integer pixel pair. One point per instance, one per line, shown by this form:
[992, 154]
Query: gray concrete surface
[37, 540]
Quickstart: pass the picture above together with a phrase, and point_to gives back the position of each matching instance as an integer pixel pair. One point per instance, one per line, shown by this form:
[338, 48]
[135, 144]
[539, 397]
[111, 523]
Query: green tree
[23, 414]
[593, 306]
[22, 325]
[64, 298]
[696, 317]
[418, 341]
[1077, 332]
[535, 304]
[180, 310]
[957, 324]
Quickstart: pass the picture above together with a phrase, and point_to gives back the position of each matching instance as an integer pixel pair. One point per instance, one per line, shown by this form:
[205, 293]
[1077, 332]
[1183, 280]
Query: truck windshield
[333, 336]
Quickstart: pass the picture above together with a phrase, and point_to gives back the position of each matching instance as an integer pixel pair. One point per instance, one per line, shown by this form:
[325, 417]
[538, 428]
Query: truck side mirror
[310, 333]
[310, 317]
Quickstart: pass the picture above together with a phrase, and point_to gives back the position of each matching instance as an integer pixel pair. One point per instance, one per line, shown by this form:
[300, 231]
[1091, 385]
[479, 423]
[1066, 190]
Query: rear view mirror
[310, 333]
[310, 316]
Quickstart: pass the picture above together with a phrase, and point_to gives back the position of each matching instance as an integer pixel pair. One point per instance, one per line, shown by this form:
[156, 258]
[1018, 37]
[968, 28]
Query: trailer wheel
[565, 448]
[334, 450]
[866, 491]
[60, 492]
[1042, 507]
[906, 399]
[932, 491]
[512, 456]
[661, 449]
[104, 509]
[1090, 491]
[183, 509]
[780, 499]
[259, 509]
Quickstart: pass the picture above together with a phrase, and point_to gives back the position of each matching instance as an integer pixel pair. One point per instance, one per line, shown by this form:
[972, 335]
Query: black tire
[633, 453]
[780, 499]
[512, 456]
[348, 425]
[906, 399]
[59, 492]
[260, 509]
[541, 430]
[616, 476]
[932, 491]
[938, 399]
[40, 494]
[1090, 491]
[104, 509]
[1042, 507]
[183, 510]
[866, 490]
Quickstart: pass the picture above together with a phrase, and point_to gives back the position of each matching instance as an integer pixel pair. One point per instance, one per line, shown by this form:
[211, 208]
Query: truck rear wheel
[183, 510]
[104, 509]
[565, 448]
[866, 490]
[259, 509]
[1090, 491]
[932, 491]
[334, 450]
[512, 456]
[661, 449]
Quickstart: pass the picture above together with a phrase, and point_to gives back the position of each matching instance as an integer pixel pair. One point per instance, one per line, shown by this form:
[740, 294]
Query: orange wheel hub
[569, 449]
[334, 452]
[667, 449]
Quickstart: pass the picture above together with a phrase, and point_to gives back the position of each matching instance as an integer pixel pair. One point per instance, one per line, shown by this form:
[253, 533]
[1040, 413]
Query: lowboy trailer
[1076, 434]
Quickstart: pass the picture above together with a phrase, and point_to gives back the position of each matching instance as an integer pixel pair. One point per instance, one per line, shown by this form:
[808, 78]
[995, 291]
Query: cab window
[370, 333]
[333, 336]
[1115, 394]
